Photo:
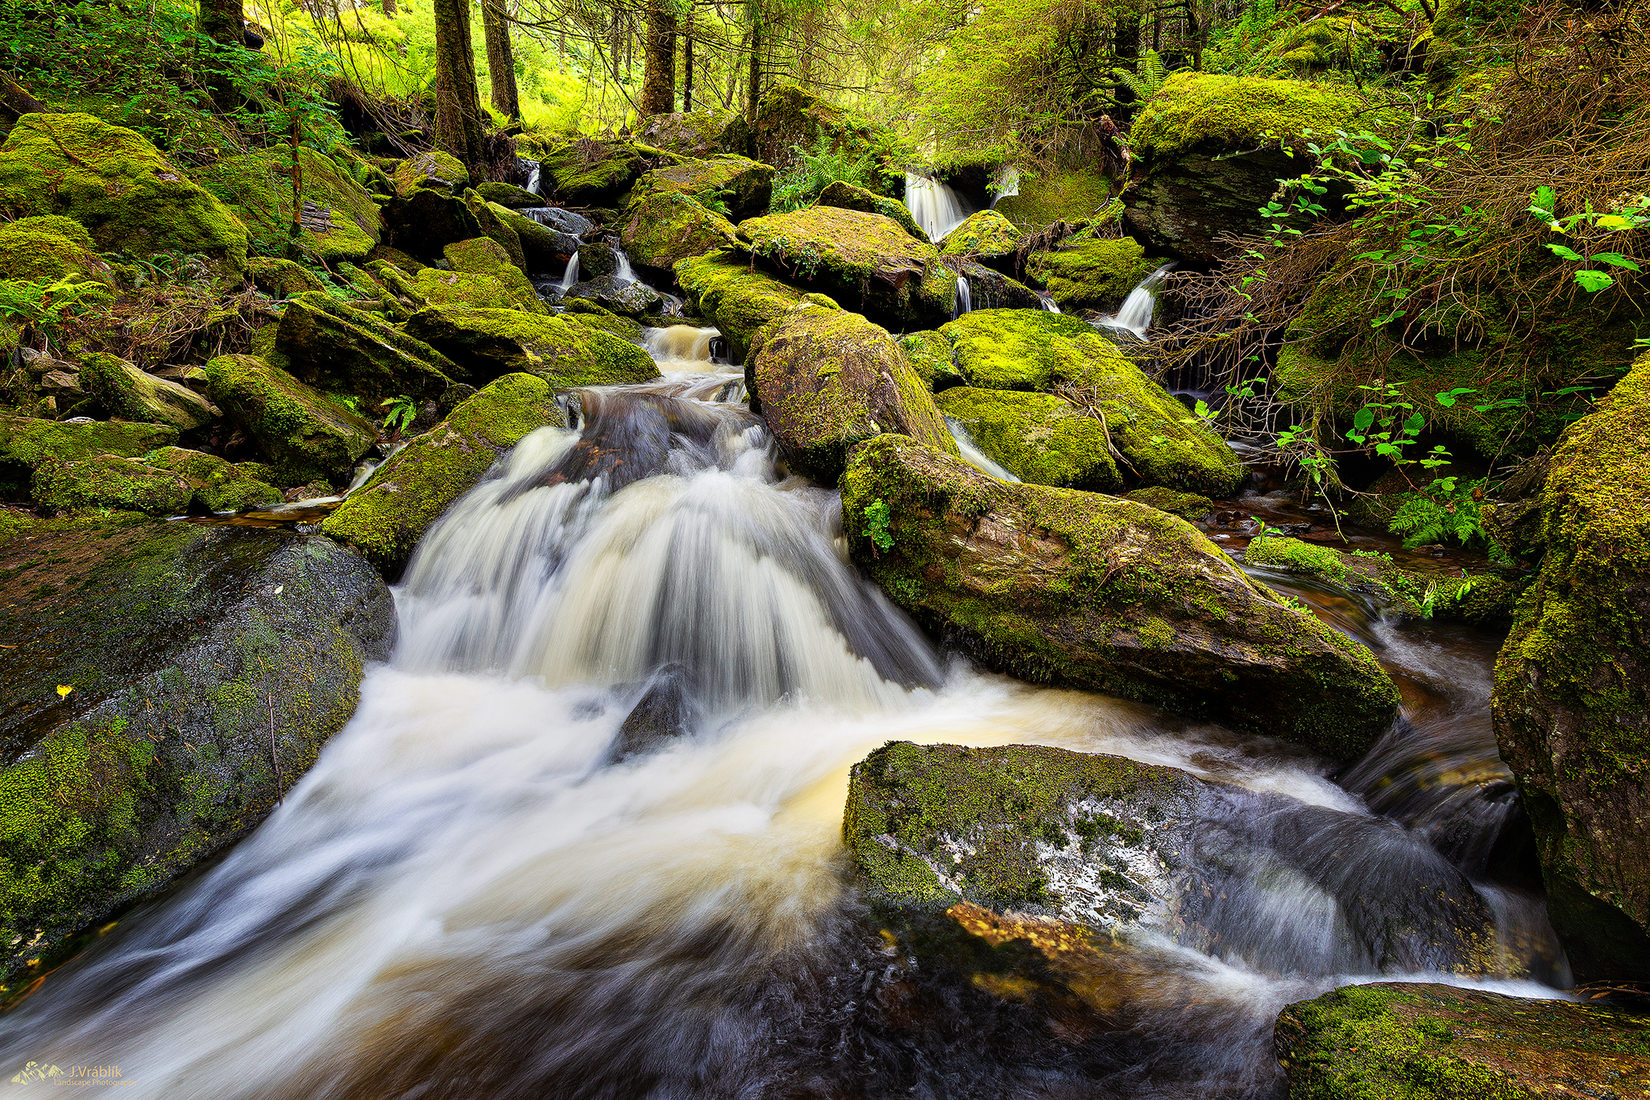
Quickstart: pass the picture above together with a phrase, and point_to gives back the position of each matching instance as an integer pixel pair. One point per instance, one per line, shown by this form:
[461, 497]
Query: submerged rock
[166, 685]
[115, 183]
[1572, 687]
[338, 221]
[738, 300]
[1060, 586]
[1037, 437]
[566, 350]
[827, 379]
[386, 517]
[305, 434]
[1437, 1042]
[864, 260]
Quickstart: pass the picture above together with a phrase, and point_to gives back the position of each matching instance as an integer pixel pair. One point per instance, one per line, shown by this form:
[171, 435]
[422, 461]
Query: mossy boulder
[737, 186]
[1211, 149]
[1161, 443]
[120, 187]
[1482, 598]
[508, 195]
[566, 350]
[1068, 195]
[989, 288]
[26, 442]
[341, 349]
[985, 236]
[495, 226]
[543, 247]
[385, 518]
[930, 356]
[789, 119]
[208, 666]
[700, 133]
[1193, 507]
[1091, 274]
[481, 275]
[1037, 437]
[339, 219]
[282, 278]
[433, 170]
[1572, 687]
[1436, 1042]
[740, 301]
[216, 484]
[306, 435]
[827, 379]
[588, 172]
[428, 220]
[866, 261]
[109, 481]
[131, 394]
[848, 196]
[1106, 594]
[48, 248]
[662, 228]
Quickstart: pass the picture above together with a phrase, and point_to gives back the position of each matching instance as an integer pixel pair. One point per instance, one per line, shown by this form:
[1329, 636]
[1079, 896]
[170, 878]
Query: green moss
[217, 485]
[339, 219]
[109, 481]
[738, 300]
[1207, 110]
[664, 227]
[1429, 1042]
[566, 350]
[28, 442]
[306, 434]
[280, 278]
[929, 354]
[985, 234]
[49, 248]
[865, 260]
[482, 276]
[387, 516]
[588, 172]
[1091, 274]
[847, 196]
[342, 349]
[1037, 437]
[738, 185]
[127, 392]
[432, 169]
[116, 185]
[1069, 195]
[1342, 43]
[1188, 506]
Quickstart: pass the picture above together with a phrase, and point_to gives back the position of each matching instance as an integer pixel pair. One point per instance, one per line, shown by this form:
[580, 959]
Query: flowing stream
[582, 837]
[934, 205]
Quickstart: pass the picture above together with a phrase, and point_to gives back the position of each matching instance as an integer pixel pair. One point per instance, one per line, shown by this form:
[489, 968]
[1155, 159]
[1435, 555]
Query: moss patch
[566, 350]
[1207, 110]
[1091, 274]
[1037, 437]
[338, 219]
[306, 434]
[738, 300]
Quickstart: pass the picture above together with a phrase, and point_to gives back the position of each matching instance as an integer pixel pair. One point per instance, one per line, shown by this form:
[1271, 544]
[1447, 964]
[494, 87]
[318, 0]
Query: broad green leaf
[1594, 281]
[1564, 253]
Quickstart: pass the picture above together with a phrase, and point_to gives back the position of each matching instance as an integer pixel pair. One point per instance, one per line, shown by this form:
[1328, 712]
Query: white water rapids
[582, 837]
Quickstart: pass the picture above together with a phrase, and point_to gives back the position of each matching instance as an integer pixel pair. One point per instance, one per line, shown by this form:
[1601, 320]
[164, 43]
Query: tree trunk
[754, 87]
[458, 127]
[15, 100]
[687, 66]
[223, 21]
[659, 61]
[501, 60]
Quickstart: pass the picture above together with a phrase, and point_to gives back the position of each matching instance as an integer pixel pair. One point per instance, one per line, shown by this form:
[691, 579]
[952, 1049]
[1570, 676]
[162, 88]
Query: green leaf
[1616, 259]
[1543, 201]
[1594, 281]
[1363, 418]
[1564, 253]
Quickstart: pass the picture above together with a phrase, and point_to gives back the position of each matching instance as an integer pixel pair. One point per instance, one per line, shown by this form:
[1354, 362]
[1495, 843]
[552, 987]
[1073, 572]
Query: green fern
[1445, 511]
[1148, 78]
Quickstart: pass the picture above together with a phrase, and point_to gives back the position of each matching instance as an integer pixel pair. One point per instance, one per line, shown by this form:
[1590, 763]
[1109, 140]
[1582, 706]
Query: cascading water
[1048, 303]
[972, 454]
[965, 297]
[1006, 185]
[582, 837]
[570, 277]
[622, 271]
[935, 206]
[534, 170]
[1135, 315]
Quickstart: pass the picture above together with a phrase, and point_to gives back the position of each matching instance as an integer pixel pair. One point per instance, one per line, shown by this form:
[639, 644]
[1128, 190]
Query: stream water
[582, 837]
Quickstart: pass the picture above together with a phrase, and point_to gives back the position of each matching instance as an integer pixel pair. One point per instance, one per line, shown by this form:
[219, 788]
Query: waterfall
[622, 271]
[681, 348]
[1048, 303]
[972, 454]
[559, 218]
[534, 170]
[1135, 315]
[571, 276]
[965, 297]
[1005, 185]
[936, 207]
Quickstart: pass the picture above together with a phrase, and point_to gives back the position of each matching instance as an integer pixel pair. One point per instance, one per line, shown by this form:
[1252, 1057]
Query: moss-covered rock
[989, 288]
[282, 278]
[1160, 442]
[115, 183]
[497, 227]
[864, 260]
[339, 219]
[342, 349]
[588, 172]
[1193, 507]
[700, 133]
[566, 350]
[1435, 1042]
[428, 220]
[215, 484]
[386, 517]
[1572, 687]
[738, 300]
[930, 356]
[1069, 195]
[306, 435]
[1061, 586]
[1482, 598]
[434, 170]
[49, 248]
[109, 481]
[847, 196]
[662, 228]
[986, 236]
[131, 394]
[198, 699]
[508, 195]
[827, 379]
[1091, 274]
[482, 275]
[737, 186]
[542, 247]
[26, 442]
[1037, 437]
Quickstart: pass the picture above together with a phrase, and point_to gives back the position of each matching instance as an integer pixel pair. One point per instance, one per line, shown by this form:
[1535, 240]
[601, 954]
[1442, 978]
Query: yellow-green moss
[49, 248]
[1215, 111]
[306, 434]
[1091, 274]
[984, 234]
[1070, 195]
[1037, 437]
[432, 169]
[339, 219]
[215, 484]
[739, 186]
[566, 350]
[342, 349]
[589, 171]
[739, 301]
[662, 228]
[848, 196]
[109, 481]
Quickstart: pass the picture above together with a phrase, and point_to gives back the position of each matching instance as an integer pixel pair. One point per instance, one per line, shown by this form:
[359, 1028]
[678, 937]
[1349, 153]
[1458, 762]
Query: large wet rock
[1157, 438]
[864, 261]
[566, 350]
[1091, 274]
[115, 183]
[989, 288]
[738, 186]
[336, 347]
[828, 379]
[662, 228]
[163, 686]
[1096, 592]
[1436, 1042]
[428, 219]
[480, 274]
[339, 220]
[588, 172]
[847, 196]
[740, 301]
[700, 133]
[1572, 687]
[1037, 437]
[305, 434]
[986, 236]
[1210, 154]
[385, 518]
[544, 247]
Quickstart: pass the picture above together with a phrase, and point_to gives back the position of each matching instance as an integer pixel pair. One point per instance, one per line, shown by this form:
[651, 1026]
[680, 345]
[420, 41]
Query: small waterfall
[682, 348]
[965, 297]
[1048, 303]
[571, 276]
[534, 171]
[1006, 185]
[560, 218]
[1135, 315]
[936, 207]
[622, 271]
[972, 454]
